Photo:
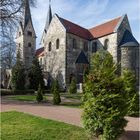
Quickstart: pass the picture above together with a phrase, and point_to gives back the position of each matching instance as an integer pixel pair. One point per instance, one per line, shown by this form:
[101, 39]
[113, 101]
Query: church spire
[27, 14]
[49, 17]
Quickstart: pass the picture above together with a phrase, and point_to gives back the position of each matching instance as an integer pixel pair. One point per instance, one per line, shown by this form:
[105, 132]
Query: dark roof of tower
[76, 29]
[49, 18]
[128, 40]
[82, 59]
[27, 14]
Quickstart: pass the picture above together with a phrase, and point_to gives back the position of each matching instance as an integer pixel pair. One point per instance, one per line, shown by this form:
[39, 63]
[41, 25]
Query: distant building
[40, 56]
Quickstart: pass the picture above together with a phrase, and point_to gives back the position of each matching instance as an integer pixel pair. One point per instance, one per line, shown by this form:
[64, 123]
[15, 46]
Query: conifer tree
[39, 96]
[18, 75]
[104, 102]
[55, 91]
[72, 88]
[36, 75]
[132, 94]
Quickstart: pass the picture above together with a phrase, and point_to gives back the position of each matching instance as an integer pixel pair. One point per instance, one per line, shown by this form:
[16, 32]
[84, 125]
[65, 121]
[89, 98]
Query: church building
[66, 48]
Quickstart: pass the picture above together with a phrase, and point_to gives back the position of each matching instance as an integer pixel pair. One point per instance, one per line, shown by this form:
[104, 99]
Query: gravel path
[65, 114]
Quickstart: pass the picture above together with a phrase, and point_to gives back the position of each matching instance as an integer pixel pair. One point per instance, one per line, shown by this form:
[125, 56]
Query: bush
[39, 96]
[131, 93]
[104, 99]
[72, 87]
[55, 91]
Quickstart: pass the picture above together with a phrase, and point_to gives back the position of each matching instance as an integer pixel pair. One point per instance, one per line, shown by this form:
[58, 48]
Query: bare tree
[11, 12]
[7, 53]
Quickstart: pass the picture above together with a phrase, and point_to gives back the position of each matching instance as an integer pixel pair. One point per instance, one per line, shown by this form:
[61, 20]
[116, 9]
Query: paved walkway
[65, 114]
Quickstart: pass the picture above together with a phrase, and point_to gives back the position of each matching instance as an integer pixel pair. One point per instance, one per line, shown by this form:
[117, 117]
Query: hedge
[16, 92]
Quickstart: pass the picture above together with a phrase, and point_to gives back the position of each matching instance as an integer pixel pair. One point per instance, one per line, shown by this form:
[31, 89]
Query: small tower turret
[26, 37]
[48, 21]
[130, 54]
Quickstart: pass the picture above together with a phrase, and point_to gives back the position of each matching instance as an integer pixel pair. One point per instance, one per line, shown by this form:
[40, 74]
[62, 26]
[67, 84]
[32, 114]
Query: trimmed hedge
[15, 92]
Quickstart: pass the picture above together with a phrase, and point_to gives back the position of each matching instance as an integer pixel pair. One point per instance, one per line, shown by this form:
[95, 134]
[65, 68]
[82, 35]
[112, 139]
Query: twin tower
[26, 36]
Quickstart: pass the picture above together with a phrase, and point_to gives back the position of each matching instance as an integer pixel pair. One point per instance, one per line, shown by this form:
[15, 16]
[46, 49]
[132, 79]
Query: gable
[124, 24]
[82, 59]
[55, 25]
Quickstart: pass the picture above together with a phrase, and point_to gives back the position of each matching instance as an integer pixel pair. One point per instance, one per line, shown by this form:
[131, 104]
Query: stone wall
[73, 53]
[29, 51]
[112, 44]
[130, 60]
[55, 60]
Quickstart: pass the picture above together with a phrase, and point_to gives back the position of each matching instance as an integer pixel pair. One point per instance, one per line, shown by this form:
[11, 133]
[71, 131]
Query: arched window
[29, 33]
[74, 43]
[57, 44]
[106, 44]
[19, 33]
[40, 61]
[94, 47]
[29, 44]
[50, 46]
[85, 47]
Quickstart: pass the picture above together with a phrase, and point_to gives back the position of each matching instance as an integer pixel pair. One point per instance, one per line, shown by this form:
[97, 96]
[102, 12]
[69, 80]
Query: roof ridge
[105, 22]
[73, 23]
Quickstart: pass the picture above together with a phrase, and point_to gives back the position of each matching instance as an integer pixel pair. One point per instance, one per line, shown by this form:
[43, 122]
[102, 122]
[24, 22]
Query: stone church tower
[26, 37]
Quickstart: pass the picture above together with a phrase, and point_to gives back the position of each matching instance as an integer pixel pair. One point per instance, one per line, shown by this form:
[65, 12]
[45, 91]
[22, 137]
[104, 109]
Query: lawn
[68, 100]
[25, 97]
[72, 96]
[28, 127]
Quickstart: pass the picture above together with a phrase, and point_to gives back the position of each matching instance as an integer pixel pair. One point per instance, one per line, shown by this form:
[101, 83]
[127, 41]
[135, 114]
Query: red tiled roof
[40, 52]
[104, 29]
[76, 29]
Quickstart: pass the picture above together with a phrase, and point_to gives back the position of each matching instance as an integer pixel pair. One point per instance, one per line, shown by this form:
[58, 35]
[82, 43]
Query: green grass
[75, 99]
[25, 97]
[21, 126]
[71, 104]
[72, 96]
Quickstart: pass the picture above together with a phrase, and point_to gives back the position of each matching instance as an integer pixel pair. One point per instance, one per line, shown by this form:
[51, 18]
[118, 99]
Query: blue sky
[87, 13]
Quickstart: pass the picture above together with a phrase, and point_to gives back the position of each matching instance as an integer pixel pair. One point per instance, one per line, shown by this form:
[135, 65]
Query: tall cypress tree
[18, 75]
[132, 94]
[36, 75]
